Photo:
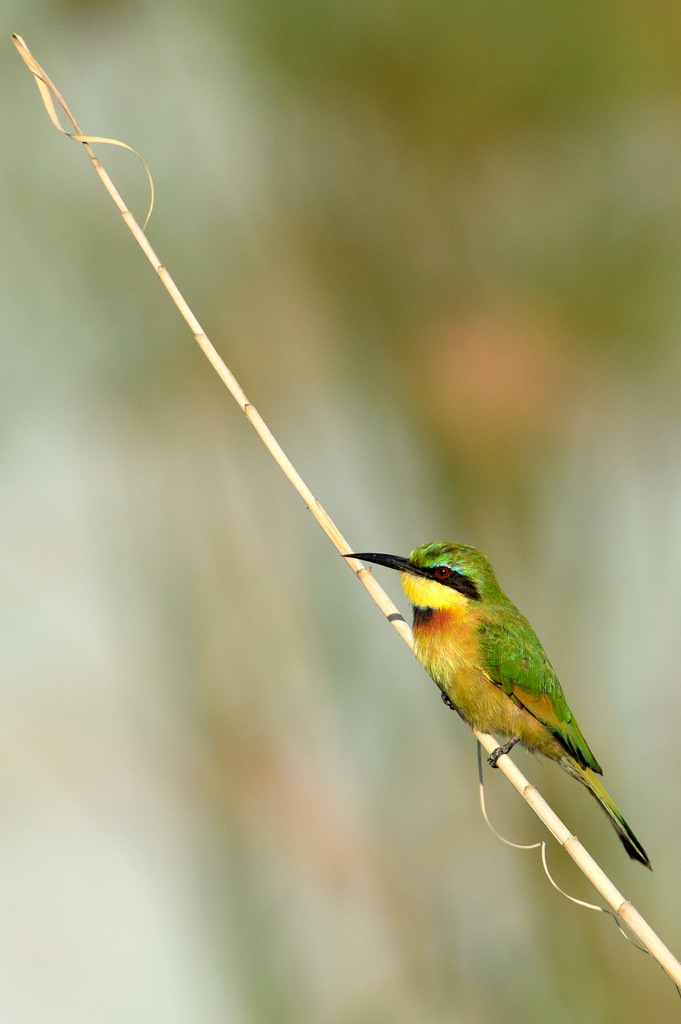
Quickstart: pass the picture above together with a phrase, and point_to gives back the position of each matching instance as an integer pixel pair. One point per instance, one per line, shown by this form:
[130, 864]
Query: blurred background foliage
[440, 245]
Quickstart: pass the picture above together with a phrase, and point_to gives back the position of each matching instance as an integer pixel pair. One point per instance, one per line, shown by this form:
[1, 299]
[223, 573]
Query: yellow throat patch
[431, 594]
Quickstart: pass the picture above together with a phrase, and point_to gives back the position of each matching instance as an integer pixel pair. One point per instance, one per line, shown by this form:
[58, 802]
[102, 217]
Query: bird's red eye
[443, 572]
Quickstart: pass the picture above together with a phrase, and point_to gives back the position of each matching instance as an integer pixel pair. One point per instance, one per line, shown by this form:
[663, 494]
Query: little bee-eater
[490, 666]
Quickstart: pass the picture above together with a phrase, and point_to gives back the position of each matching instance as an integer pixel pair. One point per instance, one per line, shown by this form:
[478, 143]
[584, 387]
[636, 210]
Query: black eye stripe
[457, 581]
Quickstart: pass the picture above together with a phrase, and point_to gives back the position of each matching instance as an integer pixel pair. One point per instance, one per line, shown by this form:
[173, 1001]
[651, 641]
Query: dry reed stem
[622, 907]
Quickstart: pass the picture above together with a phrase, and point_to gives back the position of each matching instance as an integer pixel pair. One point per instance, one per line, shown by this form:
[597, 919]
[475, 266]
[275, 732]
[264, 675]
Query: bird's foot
[496, 754]
[447, 700]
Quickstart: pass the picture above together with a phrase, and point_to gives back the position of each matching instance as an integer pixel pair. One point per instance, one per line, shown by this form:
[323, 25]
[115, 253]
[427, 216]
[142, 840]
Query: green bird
[491, 667]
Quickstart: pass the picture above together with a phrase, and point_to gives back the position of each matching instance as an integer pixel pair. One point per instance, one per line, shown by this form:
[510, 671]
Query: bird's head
[441, 575]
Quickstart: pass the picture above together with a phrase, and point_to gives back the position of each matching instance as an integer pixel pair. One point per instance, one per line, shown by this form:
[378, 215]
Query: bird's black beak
[389, 561]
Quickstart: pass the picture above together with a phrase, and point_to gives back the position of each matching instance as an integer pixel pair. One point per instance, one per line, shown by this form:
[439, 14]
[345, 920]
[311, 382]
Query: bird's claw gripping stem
[496, 754]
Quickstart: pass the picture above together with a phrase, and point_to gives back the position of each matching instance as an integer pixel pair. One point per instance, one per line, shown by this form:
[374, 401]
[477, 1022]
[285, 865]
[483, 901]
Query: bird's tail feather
[627, 837]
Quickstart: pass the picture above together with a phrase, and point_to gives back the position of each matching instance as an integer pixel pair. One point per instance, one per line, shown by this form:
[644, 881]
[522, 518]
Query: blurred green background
[440, 246]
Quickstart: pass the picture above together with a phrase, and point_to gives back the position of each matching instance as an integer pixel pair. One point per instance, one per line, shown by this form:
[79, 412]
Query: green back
[516, 661]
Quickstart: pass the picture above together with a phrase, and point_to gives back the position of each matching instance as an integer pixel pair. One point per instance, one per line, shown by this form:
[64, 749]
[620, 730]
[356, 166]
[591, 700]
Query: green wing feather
[515, 660]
